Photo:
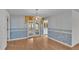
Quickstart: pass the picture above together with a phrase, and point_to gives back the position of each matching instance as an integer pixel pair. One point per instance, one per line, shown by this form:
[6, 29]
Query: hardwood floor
[76, 47]
[36, 43]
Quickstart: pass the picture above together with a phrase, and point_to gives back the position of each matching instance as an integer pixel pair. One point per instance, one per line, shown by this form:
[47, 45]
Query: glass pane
[30, 28]
[36, 28]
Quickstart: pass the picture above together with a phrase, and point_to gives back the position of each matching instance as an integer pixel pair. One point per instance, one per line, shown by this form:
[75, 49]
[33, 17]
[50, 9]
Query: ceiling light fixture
[37, 17]
[37, 12]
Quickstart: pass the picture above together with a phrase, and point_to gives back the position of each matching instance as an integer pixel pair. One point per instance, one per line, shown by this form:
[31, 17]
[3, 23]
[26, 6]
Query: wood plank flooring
[36, 43]
[76, 47]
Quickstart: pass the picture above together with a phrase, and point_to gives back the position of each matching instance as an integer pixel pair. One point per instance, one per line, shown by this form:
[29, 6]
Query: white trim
[60, 42]
[17, 30]
[22, 38]
[18, 38]
[38, 35]
[60, 31]
[74, 44]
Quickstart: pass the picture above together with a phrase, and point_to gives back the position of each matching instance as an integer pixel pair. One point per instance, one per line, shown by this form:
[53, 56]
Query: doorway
[36, 26]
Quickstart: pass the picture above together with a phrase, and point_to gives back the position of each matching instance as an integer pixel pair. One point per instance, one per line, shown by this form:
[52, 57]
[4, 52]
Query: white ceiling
[76, 10]
[32, 12]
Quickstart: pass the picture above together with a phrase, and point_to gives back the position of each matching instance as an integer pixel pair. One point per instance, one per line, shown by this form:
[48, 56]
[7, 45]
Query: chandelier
[37, 16]
[36, 11]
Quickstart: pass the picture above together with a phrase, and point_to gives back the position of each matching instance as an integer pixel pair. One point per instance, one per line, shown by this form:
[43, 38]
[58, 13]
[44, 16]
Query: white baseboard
[18, 38]
[60, 42]
[74, 44]
[48, 37]
[22, 38]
